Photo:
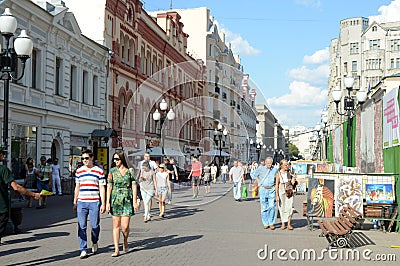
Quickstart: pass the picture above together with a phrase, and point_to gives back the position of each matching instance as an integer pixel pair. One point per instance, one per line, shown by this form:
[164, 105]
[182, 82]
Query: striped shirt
[89, 180]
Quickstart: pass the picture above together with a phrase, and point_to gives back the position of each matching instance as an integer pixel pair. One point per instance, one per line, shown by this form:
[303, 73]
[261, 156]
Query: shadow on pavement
[49, 259]
[359, 239]
[179, 212]
[36, 237]
[16, 250]
[59, 209]
[158, 242]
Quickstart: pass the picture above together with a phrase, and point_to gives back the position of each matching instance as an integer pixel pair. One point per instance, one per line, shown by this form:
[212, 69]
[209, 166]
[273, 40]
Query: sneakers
[94, 248]
[83, 255]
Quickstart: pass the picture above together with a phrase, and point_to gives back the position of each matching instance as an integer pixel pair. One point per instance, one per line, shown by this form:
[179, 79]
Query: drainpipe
[109, 55]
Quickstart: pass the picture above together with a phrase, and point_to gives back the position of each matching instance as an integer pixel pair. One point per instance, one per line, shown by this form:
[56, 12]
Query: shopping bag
[46, 193]
[254, 192]
[244, 191]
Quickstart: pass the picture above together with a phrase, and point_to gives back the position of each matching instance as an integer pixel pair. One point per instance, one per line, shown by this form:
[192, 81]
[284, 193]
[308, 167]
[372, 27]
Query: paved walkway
[210, 230]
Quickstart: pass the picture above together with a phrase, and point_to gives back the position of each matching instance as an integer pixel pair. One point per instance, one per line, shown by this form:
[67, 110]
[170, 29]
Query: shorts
[3, 223]
[162, 190]
[206, 182]
[196, 180]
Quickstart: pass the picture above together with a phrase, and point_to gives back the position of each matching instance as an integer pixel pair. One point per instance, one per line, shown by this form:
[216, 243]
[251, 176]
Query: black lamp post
[324, 120]
[349, 107]
[161, 116]
[9, 56]
[219, 132]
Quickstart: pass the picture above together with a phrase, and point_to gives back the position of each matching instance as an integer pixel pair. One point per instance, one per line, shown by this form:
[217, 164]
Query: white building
[60, 100]
[367, 51]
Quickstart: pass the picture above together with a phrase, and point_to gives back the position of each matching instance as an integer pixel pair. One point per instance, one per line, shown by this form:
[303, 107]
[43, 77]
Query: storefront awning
[102, 133]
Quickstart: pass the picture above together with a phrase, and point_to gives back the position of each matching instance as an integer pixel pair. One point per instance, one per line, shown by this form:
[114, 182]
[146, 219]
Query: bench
[339, 230]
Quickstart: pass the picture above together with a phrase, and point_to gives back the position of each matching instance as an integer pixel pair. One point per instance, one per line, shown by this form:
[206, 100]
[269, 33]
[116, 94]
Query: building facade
[223, 87]
[60, 100]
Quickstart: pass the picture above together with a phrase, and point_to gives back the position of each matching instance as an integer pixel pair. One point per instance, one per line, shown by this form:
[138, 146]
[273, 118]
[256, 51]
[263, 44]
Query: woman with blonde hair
[121, 198]
[284, 200]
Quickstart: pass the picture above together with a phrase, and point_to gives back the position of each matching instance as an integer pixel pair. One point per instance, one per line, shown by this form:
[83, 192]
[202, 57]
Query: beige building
[225, 101]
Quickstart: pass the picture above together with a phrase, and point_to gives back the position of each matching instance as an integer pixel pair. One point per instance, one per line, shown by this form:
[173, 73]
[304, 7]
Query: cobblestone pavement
[210, 230]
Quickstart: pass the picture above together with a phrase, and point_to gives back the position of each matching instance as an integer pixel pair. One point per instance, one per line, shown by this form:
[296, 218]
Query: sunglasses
[85, 158]
[117, 159]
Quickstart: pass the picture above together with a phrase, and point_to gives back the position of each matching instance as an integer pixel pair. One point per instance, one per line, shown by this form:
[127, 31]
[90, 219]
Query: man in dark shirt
[171, 172]
[7, 178]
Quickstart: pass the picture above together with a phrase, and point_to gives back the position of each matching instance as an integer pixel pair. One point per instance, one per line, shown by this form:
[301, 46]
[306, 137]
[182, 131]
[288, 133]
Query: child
[163, 187]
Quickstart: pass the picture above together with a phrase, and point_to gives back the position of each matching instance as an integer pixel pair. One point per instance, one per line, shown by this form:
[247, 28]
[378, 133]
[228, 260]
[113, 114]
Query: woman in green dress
[121, 199]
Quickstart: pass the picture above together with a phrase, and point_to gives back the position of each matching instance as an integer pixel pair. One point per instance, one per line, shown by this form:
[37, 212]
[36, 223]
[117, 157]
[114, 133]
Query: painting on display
[320, 198]
[301, 187]
[300, 169]
[379, 193]
[349, 193]
[311, 169]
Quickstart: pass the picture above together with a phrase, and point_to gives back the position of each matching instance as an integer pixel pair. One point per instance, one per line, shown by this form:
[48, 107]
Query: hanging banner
[390, 119]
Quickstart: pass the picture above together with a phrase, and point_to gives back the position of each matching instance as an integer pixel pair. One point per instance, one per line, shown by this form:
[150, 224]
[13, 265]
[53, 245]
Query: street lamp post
[218, 133]
[349, 107]
[161, 116]
[324, 120]
[9, 56]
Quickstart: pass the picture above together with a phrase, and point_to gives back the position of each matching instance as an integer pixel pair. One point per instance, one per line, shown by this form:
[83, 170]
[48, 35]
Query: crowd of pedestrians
[121, 192]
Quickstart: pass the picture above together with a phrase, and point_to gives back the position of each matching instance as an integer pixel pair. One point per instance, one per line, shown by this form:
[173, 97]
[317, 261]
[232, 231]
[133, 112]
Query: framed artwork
[301, 187]
[349, 192]
[379, 193]
[300, 169]
[320, 197]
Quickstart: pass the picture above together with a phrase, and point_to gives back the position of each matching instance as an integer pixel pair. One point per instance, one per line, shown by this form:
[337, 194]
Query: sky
[284, 45]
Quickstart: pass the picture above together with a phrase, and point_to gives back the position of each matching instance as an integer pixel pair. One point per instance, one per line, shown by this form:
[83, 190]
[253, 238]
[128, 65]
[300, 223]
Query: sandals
[115, 254]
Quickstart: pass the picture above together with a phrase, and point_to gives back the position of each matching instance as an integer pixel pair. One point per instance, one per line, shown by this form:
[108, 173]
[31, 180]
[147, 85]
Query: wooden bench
[338, 231]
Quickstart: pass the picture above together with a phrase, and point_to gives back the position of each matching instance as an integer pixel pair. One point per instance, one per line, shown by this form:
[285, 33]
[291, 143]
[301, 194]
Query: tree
[293, 150]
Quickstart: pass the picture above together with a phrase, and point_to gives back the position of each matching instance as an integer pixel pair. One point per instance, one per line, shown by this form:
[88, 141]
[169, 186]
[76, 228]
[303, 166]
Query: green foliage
[293, 150]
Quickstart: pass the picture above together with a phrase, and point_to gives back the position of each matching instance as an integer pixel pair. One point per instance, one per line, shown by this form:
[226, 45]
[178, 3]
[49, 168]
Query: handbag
[289, 189]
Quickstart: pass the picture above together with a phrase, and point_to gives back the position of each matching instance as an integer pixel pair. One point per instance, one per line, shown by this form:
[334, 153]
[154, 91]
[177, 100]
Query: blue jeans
[223, 178]
[268, 206]
[237, 191]
[85, 209]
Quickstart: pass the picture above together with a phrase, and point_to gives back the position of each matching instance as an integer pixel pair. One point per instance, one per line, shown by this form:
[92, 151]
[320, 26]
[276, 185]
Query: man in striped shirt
[89, 200]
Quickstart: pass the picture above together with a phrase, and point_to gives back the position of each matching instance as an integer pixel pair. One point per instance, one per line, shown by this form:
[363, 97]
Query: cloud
[318, 57]
[318, 75]
[238, 44]
[311, 3]
[388, 13]
[301, 94]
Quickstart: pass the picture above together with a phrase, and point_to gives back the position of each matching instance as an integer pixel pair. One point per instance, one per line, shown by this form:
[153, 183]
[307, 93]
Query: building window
[354, 48]
[392, 65]
[96, 91]
[58, 85]
[85, 87]
[35, 73]
[397, 62]
[395, 45]
[23, 145]
[374, 28]
[354, 66]
[373, 63]
[73, 93]
[375, 44]
[345, 67]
